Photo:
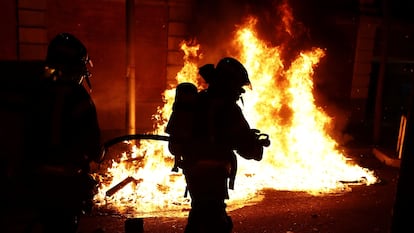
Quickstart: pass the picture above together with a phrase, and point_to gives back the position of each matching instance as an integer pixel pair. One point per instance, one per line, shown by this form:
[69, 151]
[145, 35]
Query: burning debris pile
[302, 156]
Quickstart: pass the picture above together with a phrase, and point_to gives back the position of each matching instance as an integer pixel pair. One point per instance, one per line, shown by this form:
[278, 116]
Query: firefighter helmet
[67, 59]
[226, 79]
[231, 73]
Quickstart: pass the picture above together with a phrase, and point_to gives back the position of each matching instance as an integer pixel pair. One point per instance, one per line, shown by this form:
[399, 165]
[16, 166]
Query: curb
[383, 157]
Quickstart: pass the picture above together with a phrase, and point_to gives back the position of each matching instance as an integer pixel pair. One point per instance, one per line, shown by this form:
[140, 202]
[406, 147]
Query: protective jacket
[63, 137]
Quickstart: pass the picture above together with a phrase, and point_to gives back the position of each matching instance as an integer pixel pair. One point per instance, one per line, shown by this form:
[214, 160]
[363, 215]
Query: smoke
[213, 25]
[215, 22]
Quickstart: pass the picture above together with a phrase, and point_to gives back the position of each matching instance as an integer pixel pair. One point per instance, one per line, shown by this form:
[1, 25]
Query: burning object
[302, 157]
[122, 184]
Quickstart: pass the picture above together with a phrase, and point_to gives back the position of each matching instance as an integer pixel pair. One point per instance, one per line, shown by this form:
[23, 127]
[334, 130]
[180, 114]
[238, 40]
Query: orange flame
[301, 157]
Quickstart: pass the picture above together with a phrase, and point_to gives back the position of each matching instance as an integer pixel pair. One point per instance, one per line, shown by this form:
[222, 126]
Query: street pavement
[365, 209]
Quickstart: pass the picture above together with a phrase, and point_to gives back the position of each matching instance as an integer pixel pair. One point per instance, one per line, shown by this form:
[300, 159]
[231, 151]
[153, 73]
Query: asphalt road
[365, 209]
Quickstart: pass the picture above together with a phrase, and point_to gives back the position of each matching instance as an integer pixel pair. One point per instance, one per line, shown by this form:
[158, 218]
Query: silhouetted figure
[205, 129]
[53, 186]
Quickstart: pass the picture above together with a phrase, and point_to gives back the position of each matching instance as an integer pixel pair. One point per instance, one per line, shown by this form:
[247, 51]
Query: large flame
[301, 157]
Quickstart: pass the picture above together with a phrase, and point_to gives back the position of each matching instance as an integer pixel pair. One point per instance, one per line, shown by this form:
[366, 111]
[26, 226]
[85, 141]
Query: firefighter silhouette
[205, 129]
[62, 138]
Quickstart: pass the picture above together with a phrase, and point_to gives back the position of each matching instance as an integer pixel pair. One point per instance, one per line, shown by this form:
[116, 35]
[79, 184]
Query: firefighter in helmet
[67, 60]
[63, 137]
[219, 128]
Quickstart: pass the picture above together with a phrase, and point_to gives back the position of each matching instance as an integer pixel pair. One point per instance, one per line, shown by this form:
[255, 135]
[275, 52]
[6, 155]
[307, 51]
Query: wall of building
[8, 30]
[159, 26]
